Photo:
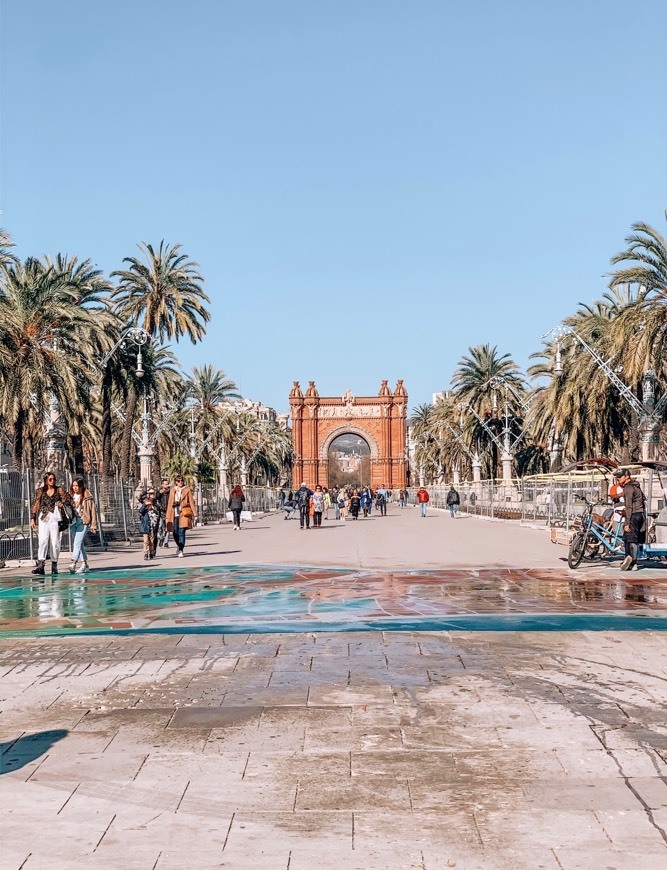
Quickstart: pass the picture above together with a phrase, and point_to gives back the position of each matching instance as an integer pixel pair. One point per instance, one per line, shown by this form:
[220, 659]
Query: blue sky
[370, 187]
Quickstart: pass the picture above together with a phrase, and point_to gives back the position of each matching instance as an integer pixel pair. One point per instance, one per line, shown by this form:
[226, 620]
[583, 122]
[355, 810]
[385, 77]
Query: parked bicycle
[595, 536]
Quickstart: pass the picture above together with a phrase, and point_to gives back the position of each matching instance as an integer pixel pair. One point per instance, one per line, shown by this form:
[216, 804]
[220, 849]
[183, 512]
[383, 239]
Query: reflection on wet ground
[285, 598]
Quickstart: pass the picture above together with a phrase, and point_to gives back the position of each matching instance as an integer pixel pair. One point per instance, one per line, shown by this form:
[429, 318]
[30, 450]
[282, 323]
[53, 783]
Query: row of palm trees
[565, 407]
[61, 355]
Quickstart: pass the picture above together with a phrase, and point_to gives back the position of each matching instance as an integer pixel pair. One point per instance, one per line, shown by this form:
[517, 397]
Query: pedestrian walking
[634, 525]
[302, 498]
[236, 502]
[327, 502]
[381, 500]
[162, 501]
[422, 500]
[181, 512]
[354, 504]
[342, 505]
[402, 498]
[453, 501]
[317, 499]
[282, 498]
[85, 517]
[149, 522]
[288, 507]
[48, 513]
[335, 492]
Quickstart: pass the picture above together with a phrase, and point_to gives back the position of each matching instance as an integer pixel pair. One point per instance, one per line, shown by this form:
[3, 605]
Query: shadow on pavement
[15, 754]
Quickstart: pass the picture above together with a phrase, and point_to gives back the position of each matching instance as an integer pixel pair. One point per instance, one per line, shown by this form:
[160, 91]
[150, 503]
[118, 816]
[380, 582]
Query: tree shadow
[15, 754]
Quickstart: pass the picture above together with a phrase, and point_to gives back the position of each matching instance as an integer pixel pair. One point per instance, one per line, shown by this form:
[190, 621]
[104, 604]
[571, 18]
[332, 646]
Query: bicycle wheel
[577, 547]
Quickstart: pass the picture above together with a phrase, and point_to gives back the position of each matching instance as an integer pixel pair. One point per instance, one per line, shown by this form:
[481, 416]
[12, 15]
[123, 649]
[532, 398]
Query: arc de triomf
[349, 439]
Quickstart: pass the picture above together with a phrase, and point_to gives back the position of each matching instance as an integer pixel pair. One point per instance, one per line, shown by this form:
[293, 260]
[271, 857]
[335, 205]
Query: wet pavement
[279, 598]
[250, 709]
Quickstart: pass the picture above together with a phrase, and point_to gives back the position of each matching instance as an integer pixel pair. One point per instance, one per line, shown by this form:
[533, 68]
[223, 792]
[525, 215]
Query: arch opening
[349, 461]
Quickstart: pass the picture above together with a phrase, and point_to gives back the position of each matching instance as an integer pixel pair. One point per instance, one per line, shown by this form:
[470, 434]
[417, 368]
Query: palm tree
[580, 405]
[52, 317]
[647, 257]
[6, 256]
[163, 295]
[208, 389]
[479, 380]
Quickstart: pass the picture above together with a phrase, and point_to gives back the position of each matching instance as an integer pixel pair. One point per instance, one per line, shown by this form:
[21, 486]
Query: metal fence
[552, 500]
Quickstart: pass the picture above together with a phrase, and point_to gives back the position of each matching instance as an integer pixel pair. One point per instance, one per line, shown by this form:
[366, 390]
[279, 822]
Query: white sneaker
[180, 554]
[82, 570]
[72, 568]
[626, 564]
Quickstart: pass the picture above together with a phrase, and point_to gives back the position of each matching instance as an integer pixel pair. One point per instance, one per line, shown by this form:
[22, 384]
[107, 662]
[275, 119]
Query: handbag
[187, 512]
[67, 516]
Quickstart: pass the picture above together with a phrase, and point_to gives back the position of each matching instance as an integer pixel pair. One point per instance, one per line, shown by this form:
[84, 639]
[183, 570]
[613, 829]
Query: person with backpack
[453, 501]
[302, 498]
[422, 500]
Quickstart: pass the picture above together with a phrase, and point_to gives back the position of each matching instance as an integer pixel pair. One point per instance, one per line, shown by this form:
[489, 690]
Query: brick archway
[380, 420]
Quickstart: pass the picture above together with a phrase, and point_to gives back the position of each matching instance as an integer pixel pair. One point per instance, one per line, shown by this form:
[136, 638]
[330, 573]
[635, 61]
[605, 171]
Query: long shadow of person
[15, 754]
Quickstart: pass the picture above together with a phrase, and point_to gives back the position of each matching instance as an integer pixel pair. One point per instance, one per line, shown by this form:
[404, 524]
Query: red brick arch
[381, 420]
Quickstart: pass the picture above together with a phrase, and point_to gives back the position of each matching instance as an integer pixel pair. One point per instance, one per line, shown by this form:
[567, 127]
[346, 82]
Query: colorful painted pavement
[269, 598]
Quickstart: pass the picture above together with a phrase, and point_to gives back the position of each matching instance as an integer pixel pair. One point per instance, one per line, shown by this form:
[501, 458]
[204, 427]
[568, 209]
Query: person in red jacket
[422, 499]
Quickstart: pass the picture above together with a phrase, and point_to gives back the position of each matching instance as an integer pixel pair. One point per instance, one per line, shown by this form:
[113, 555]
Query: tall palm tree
[163, 294]
[483, 381]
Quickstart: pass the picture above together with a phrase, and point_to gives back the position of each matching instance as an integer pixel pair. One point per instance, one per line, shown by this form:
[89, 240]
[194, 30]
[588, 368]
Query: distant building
[256, 410]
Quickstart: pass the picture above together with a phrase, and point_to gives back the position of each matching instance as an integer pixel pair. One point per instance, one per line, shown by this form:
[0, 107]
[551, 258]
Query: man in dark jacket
[453, 501]
[634, 524]
[302, 500]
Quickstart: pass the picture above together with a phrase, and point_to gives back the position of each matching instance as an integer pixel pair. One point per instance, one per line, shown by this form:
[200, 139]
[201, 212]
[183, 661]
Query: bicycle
[593, 535]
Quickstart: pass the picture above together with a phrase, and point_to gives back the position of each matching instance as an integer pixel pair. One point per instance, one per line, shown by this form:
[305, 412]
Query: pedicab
[598, 533]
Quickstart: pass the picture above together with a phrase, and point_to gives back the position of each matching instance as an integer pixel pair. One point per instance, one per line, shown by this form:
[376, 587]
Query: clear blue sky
[369, 186]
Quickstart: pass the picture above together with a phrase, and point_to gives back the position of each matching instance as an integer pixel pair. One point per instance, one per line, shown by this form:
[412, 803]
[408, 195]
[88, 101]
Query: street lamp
[136, 336]
[649, 413]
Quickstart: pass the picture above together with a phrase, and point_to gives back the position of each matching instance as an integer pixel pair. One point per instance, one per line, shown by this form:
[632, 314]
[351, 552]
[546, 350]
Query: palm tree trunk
[18, 440]
[75, 449]
[127, 447]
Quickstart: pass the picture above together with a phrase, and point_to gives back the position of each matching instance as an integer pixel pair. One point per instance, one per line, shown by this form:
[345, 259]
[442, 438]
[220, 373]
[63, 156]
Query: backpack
[304, 496]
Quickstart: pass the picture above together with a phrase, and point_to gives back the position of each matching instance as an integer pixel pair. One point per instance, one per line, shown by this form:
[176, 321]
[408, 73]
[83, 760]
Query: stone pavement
[410, 749]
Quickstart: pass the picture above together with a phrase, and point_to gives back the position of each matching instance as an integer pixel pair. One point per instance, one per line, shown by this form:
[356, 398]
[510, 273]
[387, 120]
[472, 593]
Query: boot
[54, 568]
[40, 567]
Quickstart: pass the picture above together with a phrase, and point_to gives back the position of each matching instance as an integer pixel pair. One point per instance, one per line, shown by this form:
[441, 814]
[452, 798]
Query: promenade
[246, 707]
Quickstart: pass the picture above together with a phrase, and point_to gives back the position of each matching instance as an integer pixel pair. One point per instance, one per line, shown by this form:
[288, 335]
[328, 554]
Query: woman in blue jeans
[85, 517]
